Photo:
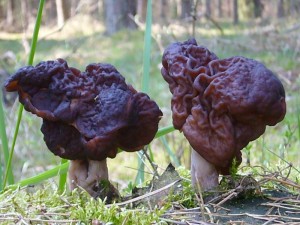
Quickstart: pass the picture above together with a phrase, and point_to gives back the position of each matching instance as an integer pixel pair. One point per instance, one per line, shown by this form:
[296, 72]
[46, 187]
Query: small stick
[232, 194]
[200, 200]
[194, 16]
[151, 163]
[144, 196]
[280, 181]
[220, 207]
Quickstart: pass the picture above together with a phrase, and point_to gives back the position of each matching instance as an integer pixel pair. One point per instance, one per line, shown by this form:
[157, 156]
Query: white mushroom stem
[204, 175]
[87, 174]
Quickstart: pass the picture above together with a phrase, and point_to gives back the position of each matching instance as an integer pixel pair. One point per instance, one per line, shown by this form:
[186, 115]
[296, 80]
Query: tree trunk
[280, 9]
[175, 8]
[258, 8]
[163, 11]
[208, 8]
[142, 9]
[25, 13]
[220, 10]
[63, 11]
[117, 15]
[2, 11]
[229, 8]
[186, 8]
[294, 7]
[10, 13]
[49, 12]
[235, 12]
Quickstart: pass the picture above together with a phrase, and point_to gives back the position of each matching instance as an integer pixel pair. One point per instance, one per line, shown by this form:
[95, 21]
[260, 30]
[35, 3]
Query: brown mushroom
[87, 116]
[220, 105]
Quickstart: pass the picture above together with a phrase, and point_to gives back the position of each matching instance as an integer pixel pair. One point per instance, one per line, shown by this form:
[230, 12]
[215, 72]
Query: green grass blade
[298, 114]
[163, 131]
[172, 156]
[4, 142]
[62, 179]
[58, 170]
[145, 80]
[20, 110]
[147, 49]
[140, 177]
[11, 153]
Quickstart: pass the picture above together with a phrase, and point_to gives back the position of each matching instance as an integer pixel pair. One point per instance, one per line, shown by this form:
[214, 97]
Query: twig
[201, 203]
[220, 207]
[154, 167]
[194, 17]
[169, 221]
[283, 206]
[215, 23]
[209, 214]
[186, 222]
[56, 30]
[144, 171]
[230, 196]
[200, 200]
[144, 196]
[269, 221]
[142, 27]
[283, 160]
[286, 182]
[18, 217]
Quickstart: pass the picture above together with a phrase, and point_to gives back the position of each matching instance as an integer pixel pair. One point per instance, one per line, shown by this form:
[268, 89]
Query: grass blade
[5, 147]
[62, 178]
[20, 110]
[163, 131]
[145, 80]
[58, 170]
[171, 154]
[147, 49]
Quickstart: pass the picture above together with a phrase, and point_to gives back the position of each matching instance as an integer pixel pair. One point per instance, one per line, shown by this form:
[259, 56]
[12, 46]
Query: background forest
[18, 16]
[112, 31]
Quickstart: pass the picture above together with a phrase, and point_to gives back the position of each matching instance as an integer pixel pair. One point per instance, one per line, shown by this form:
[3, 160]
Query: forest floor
[268, 198]
[245, 200]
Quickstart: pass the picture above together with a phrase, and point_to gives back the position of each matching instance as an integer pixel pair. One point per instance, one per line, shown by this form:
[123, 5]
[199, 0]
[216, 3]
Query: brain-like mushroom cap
[220, 104]
[86, 114]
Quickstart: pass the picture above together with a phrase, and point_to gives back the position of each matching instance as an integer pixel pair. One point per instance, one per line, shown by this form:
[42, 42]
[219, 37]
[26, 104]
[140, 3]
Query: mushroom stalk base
[87, 174]
[204, 175]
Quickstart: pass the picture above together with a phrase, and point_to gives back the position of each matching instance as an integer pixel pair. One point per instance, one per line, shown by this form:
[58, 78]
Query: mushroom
[220, 105]
[87, 116]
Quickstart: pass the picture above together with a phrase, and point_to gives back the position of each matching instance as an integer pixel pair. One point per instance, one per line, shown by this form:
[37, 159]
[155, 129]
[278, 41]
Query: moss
[41, 204]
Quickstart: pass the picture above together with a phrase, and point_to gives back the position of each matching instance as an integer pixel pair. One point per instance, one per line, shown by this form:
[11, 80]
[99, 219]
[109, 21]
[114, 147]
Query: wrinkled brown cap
[86, 114]
[220, 104]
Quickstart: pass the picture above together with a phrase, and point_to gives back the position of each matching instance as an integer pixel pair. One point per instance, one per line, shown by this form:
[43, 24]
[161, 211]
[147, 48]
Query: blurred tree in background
[63, 10]
[117, 15]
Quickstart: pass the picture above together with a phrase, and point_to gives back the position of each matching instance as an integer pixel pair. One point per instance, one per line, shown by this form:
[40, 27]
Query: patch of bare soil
[269, 207]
